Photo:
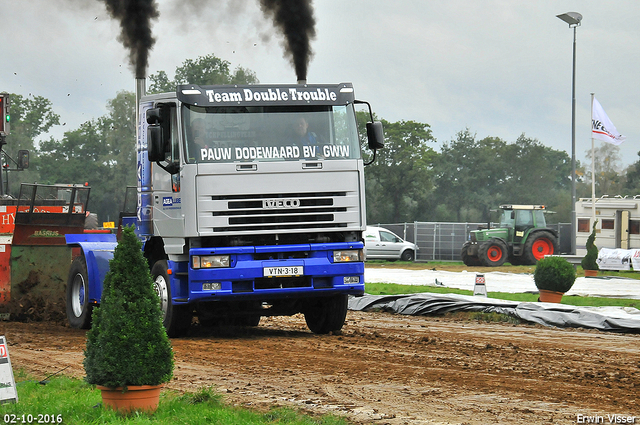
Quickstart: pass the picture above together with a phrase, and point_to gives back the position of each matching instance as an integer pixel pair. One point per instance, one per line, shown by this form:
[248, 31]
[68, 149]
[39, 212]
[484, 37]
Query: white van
[380, 243]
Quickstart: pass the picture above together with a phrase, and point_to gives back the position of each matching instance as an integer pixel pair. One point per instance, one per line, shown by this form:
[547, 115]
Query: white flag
[602, 128]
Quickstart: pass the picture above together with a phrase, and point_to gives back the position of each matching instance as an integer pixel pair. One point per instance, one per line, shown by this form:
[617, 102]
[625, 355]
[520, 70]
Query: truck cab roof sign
[266, 95]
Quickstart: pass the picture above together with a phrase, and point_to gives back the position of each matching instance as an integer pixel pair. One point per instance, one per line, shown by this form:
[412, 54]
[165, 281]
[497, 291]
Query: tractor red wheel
[542, 247]
[493, 253]
[538, 245]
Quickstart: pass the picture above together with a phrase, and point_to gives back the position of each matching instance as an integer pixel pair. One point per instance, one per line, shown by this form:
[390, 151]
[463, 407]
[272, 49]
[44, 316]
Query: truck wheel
[467, 259]
[175, 318]
[408, 255]
[324, 315]
[493, 253]
[538, 245]
[78, 307]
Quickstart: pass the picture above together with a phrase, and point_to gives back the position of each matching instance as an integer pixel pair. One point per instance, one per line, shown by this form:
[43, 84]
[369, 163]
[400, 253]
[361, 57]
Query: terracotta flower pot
[137, 397]
[550, 296]
[591, 273]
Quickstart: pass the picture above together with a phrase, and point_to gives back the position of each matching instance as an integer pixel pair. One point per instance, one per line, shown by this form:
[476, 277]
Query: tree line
[412, 179]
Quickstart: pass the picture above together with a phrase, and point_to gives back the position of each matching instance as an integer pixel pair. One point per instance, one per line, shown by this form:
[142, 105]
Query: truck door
[167, 201]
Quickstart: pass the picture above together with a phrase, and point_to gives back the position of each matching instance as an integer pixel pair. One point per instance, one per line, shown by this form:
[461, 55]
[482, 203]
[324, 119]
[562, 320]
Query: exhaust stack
[141, 90]
[145, 202]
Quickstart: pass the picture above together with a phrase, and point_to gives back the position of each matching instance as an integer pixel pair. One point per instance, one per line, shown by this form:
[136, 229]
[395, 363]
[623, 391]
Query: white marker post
[8, 391]
[479, 288]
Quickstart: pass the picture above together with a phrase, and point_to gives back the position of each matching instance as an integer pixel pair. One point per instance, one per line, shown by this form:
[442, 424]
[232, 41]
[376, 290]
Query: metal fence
[440, 241]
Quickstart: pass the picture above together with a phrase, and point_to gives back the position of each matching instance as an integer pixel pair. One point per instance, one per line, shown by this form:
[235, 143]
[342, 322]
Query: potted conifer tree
[588, 263]
[128, 353]
[553, 277]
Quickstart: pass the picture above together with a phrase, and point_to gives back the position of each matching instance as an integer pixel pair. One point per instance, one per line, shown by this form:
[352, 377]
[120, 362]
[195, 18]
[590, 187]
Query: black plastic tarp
[616, 319]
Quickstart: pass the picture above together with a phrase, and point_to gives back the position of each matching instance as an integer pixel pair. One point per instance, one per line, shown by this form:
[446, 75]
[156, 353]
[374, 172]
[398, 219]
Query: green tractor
[521, 238]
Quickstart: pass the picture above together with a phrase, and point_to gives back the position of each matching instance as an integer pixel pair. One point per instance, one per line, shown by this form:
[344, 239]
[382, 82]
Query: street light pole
[573, 19]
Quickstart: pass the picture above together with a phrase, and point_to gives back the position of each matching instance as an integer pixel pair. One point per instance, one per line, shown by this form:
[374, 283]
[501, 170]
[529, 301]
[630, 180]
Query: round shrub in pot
[554, 274]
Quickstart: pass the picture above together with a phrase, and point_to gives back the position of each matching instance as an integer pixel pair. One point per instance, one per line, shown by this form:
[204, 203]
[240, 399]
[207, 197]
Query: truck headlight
[347, 256]
[210, 261]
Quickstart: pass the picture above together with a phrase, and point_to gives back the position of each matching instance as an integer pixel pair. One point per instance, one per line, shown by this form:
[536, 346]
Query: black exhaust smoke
[294, 18]
[135, 22]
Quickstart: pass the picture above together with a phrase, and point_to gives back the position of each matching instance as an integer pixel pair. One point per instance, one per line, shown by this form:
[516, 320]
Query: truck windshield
[269, 133]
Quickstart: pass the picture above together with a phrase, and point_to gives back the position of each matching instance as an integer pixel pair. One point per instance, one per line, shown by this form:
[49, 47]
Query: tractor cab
[519, 219]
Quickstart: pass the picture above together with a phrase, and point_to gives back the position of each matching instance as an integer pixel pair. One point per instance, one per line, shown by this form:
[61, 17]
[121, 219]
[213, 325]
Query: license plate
[283, 271]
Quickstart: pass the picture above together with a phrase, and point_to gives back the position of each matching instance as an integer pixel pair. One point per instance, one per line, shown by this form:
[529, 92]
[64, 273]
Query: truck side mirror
[155, 140]
[154, 116]
[23, 159]
[159, 137]
[155, 145]
[158, 143]
[375, 135]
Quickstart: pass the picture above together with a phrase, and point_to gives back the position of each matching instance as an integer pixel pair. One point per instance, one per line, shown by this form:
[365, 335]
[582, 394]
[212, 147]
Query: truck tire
[175, 318]
[324, 315]
[408, 255]
[78, 307]
[493, 253]
[538, 245]
[467, 259]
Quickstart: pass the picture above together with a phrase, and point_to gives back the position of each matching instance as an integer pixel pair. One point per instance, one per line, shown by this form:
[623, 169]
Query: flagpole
[593, 174]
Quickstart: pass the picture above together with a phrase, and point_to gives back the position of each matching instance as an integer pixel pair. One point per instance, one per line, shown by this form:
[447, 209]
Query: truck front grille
[266, 212]
[279, 202]
[281, 283]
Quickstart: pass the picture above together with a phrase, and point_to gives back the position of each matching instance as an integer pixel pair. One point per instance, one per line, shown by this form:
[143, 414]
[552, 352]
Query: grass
[73, 401]
[458, 266]
[396, 289]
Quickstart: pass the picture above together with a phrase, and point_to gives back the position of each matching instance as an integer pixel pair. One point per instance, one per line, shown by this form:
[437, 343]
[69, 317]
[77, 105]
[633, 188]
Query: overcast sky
[499, 68]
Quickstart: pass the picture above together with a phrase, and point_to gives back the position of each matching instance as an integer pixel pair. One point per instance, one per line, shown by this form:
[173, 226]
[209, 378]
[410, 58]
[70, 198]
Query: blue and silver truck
[250, 202]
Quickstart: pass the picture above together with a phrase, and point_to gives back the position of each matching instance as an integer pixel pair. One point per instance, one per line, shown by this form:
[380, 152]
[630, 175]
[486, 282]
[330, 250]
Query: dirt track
[388, 369]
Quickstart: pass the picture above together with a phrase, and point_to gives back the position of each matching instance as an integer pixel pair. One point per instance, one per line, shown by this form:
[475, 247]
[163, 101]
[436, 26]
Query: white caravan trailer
[618, 222]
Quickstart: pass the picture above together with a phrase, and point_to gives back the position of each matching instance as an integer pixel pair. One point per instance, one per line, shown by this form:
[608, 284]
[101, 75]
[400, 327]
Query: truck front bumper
[269, 272]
